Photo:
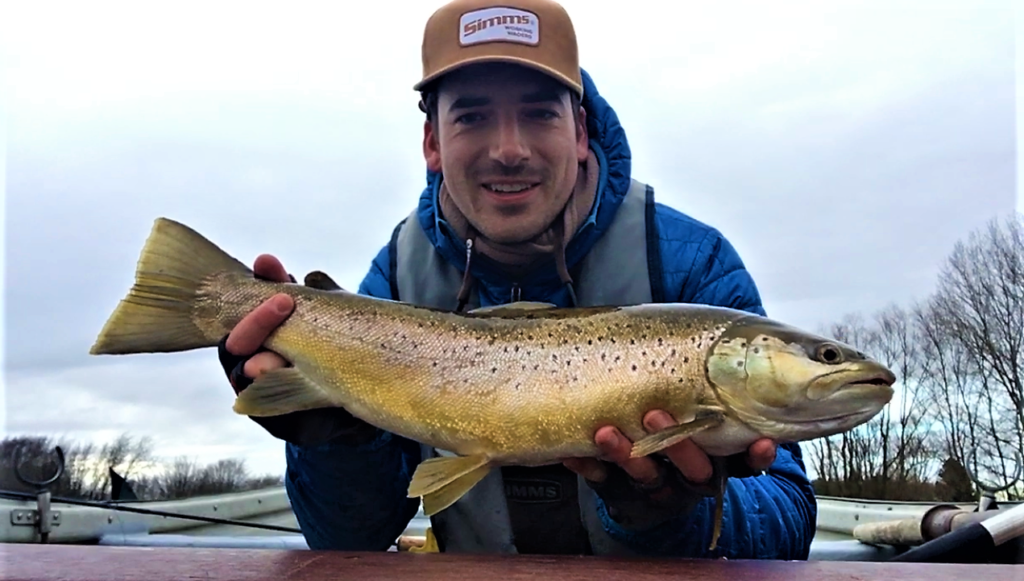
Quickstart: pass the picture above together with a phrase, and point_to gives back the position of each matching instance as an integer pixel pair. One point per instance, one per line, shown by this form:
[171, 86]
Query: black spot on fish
[686, 359]
[554, 357]
[516, 348]
[632, 341]
[494, 370]
[739, 364]
[634, 367]
[434, 364]
[617, 357]
[517, 386]
[536, 366]
[590, 341]
[604, 356]
[659, 341]
[672, 371]
[757, 350]
[529, 337]
[654, 363]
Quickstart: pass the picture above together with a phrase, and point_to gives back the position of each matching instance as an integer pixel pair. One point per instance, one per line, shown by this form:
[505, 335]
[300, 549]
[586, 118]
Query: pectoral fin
[669, 436]
[720, 469]
[442, 481]
[281, 391]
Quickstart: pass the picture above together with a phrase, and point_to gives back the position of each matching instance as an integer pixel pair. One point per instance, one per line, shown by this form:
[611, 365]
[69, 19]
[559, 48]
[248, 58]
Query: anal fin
[281, 391]
[663, 439]
[444, 480]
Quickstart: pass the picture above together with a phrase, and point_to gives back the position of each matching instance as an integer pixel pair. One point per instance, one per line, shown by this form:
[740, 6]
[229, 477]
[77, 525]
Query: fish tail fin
[156, 314]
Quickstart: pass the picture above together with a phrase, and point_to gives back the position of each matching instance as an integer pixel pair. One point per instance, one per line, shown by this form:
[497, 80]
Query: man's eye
[543, 114]
[469, 118]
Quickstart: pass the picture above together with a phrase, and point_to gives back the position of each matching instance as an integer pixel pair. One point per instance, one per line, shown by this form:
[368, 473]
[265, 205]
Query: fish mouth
[854, 401]
[881, 378]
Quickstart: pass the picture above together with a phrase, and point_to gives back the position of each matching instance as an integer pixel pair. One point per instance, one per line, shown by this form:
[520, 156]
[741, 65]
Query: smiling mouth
[510, 189]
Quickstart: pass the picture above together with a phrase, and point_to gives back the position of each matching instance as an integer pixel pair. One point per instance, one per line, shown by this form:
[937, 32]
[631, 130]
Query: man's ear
[582, 138]
[431, 147]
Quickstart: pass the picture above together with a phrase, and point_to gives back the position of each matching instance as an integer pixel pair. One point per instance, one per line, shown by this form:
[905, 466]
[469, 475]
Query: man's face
[506, 140]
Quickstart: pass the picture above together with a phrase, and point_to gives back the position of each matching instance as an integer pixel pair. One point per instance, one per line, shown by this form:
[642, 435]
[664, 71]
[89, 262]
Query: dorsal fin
[516, 309]
[320, 280]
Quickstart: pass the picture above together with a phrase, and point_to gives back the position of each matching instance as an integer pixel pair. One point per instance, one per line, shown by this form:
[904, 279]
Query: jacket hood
[608, 142]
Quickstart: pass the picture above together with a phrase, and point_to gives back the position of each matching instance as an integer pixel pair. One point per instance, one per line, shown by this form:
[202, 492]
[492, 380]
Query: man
[529, 197]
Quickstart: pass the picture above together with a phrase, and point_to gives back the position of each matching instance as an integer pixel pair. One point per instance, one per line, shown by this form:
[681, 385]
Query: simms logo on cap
[507, 24]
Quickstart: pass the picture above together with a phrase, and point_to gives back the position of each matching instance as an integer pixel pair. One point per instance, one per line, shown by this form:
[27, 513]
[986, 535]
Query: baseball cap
[533, 33]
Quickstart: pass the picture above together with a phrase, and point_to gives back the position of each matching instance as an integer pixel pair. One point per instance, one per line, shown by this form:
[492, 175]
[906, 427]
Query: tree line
[958, 355]
[126, 467]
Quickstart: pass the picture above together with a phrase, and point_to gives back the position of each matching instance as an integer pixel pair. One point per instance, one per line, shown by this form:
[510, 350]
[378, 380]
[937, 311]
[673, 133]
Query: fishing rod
[972, 543]
[148, 511]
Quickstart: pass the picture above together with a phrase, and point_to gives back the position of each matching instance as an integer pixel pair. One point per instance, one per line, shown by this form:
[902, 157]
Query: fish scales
[510, 386]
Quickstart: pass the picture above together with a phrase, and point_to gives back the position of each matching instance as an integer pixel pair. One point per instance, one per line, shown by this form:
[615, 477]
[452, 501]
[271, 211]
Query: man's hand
[245, 359]
[656, 488]
[248, 336]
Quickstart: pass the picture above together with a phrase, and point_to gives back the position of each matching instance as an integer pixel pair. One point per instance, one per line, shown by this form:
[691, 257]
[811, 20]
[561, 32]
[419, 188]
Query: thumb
[268, 267]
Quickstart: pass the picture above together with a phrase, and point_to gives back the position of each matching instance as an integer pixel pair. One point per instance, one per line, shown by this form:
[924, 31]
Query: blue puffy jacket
[351, 497]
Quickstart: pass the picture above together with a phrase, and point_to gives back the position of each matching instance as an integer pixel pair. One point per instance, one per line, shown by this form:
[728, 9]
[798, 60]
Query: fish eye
[829, 353]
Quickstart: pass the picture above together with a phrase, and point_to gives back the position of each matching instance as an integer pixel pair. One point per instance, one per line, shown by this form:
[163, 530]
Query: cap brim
[572, 84]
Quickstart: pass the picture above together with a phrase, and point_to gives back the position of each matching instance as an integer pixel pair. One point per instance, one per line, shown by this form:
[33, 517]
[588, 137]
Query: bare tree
[979, 305]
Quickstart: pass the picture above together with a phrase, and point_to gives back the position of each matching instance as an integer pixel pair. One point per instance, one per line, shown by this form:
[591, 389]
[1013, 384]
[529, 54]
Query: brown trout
[523, 384]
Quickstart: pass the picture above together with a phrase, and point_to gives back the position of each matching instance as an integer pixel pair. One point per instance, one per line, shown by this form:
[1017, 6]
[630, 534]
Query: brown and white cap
[534, 33]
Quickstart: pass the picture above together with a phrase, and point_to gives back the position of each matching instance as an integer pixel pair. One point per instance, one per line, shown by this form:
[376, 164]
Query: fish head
[791, 385]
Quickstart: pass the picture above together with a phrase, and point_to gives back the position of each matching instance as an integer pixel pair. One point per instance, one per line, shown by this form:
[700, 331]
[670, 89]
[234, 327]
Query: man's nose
[510, 146]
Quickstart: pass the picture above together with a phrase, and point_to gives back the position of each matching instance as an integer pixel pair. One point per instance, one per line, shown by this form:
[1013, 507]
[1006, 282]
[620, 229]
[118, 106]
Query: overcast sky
[843, 147]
